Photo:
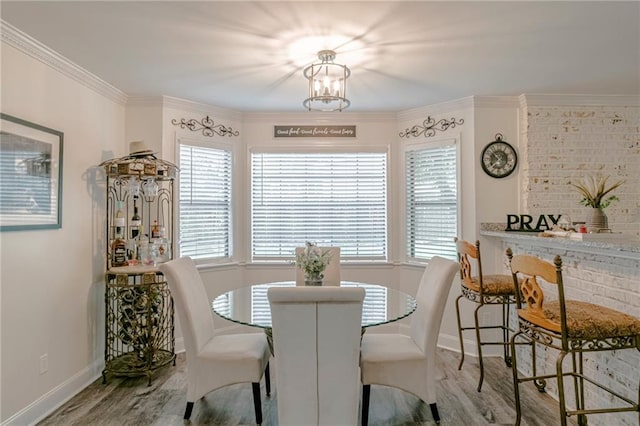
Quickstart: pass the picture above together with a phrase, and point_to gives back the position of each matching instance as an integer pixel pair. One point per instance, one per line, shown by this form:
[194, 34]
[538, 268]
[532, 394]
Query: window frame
[416, 146]
[317, 148]
[210, 144]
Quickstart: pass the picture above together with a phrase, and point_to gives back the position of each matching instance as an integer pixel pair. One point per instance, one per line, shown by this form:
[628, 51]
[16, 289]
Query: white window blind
[223, 304]
[205, 202]
[260, 309]
[432, 212]
[333, 199]
[374, 306]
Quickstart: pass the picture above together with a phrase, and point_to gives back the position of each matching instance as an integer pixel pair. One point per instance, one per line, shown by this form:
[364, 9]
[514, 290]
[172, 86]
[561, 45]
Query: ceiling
[248, 56]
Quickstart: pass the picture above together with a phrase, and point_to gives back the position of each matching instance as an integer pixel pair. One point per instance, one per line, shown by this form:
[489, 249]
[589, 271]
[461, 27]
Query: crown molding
[253, 117]
[198, 108]
[319, 117]
[33, 48]
[535, 100]
[136, 100]
[496, 101]
[441, 108]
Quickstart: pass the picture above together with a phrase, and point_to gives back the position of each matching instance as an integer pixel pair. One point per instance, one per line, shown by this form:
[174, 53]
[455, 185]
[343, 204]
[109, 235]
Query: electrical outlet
[44, 363]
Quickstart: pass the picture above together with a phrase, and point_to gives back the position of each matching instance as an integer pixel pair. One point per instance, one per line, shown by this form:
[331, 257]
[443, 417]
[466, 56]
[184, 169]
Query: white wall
[52, 280]
[144, 122]
[494, 198]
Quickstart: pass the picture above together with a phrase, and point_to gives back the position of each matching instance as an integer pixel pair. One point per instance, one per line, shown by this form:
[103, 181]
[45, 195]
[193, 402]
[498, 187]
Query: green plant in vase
[313, 261]
[597, 195]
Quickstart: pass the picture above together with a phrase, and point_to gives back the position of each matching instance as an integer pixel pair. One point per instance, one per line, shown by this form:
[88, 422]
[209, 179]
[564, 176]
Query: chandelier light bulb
[327, 85]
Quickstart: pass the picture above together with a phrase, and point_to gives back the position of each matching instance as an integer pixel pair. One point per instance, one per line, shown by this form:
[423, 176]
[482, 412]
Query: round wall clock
[498, 159]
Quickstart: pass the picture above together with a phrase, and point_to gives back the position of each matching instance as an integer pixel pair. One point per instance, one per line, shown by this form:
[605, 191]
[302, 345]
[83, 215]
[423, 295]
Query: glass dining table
[249, 305]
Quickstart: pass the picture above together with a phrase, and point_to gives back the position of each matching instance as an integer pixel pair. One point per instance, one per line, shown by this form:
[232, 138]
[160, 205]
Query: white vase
[596, 219]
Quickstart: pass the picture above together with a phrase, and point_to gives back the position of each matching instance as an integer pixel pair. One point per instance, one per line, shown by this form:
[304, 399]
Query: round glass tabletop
[249, 305]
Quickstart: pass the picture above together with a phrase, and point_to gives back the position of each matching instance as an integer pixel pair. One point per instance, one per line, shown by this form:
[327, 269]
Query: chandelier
[327, 84]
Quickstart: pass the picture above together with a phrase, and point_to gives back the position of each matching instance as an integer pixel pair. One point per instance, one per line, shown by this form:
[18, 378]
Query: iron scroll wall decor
[430, 127]
[206, 125]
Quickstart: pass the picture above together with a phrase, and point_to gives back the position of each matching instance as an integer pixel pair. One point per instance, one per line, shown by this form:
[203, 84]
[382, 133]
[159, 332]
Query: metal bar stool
[573, 328]
[483, 290]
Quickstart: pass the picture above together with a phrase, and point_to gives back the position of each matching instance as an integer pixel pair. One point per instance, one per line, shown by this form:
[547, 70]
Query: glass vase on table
[313, 278]
[312, 261]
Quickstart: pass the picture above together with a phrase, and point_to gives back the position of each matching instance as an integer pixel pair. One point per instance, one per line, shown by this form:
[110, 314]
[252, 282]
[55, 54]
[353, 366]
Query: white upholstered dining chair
[316, 342]
[331, 273]
[408, 362]
[213, 361]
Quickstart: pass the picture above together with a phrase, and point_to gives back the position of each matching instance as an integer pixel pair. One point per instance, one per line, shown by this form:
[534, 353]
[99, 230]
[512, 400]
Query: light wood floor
[129, 401]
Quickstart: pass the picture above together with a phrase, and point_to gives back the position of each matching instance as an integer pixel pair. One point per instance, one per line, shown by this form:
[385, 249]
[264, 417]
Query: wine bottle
[136, 222]
[132, 252]
[155, 231]
[119, 250]
[118, 221]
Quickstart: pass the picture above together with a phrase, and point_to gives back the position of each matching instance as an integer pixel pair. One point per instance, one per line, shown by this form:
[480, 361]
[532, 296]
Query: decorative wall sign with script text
[314, 131]
[527, 223]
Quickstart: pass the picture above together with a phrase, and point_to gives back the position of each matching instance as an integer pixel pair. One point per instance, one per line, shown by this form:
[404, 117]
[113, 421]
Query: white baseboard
[50, 401]
[445, 341]
[452, 343]
[179, 345]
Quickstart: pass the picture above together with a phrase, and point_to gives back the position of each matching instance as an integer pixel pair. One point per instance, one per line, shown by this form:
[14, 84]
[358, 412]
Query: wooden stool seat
[585, 320]
[494, 285]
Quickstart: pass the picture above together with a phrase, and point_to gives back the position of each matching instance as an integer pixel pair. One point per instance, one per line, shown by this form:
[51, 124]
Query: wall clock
[499, 159]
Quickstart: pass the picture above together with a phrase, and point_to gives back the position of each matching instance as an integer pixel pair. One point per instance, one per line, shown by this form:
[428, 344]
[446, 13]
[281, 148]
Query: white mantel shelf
[624, 247]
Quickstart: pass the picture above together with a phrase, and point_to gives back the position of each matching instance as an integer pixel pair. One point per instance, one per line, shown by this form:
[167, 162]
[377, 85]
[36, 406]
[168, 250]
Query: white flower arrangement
[313, 261]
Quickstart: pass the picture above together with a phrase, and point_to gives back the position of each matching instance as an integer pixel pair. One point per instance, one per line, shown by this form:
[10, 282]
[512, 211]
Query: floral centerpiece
[597, 195]
[313, 261]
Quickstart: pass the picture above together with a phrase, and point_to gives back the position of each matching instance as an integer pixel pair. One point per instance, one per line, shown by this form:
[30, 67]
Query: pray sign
[526, 223]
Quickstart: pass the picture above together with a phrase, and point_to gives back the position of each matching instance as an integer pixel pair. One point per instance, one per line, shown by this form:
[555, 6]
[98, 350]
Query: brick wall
[564, 143]
[607, 280]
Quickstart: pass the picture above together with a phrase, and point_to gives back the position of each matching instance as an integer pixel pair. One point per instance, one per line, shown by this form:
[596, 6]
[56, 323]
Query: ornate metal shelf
[139, 323]
[139, 326]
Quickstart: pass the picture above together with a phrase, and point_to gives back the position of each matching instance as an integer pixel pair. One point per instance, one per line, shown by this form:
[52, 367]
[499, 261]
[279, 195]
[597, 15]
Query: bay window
[431, 200]
[205, 200]
[332, 199]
